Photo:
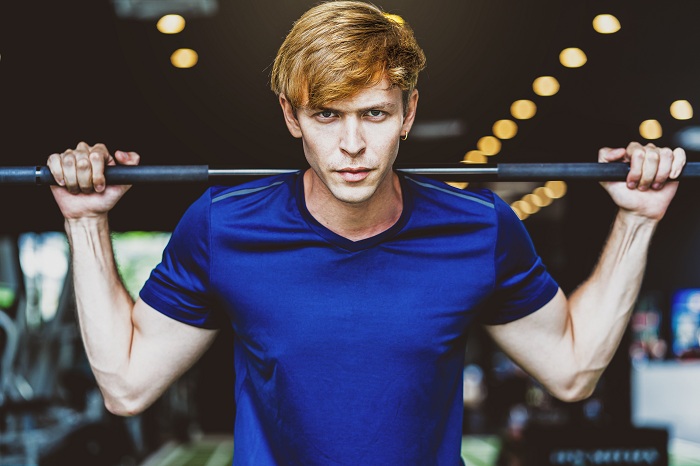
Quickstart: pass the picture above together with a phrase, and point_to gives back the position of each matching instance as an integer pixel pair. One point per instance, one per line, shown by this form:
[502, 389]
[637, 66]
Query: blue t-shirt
[348, 353]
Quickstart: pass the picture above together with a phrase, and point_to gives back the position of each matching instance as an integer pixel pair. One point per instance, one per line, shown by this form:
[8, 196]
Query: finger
[83, 167]
[127, 158]
[56, 167]
[97, 163]
[636, 164]
[679, 159]
[633, 146]
[83, 146]
[606, 154]
[101, 149]
[69, 172]
[649, 168]
[99, 157]
[664, 169]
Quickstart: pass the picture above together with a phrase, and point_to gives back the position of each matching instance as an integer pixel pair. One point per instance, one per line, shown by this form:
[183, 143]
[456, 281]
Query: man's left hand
[649, 188]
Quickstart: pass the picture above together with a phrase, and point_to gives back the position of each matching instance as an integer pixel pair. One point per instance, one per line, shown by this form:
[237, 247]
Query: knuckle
[68, 159]
[83, 163]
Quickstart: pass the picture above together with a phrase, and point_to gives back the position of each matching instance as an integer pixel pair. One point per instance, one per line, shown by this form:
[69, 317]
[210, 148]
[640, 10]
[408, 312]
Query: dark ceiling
[73, 70]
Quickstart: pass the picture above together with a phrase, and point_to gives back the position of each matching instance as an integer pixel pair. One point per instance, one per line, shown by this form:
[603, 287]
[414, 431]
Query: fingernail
[656, 186]
[632, 185]
[99, 188]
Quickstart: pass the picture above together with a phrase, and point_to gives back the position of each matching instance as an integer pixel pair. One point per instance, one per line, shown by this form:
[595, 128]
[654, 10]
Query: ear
[290, 117]
[410, 112]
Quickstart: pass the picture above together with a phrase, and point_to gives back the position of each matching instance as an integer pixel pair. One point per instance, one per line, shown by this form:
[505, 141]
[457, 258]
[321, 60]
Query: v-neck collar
[343, 242]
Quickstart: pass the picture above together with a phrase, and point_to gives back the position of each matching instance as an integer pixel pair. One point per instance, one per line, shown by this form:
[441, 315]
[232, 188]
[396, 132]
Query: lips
[354, 175]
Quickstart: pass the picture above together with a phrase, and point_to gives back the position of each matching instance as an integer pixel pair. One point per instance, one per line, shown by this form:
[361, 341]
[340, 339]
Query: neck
[355, 221]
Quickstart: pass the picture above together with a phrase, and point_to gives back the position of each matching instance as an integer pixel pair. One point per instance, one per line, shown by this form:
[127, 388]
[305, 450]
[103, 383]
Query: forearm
[135, 352]
[567, 344]
[103, 304]
[601, 307]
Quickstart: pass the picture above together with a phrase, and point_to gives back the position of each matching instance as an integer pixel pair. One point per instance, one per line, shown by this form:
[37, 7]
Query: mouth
[355, 174]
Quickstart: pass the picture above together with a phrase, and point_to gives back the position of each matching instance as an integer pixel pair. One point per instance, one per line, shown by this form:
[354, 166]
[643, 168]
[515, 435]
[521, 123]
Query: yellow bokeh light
[474, 156]
[538, 201]
[545, 86]
[523, 109]
[572, 57]
[681, 110]
[556, 189]
[184, 58]
[395, 18]
[606, 24]
[544, 195]
[171, 24]
[489, 145]
[505, 129]
[521, 215]
[526, 207]
[650, 129]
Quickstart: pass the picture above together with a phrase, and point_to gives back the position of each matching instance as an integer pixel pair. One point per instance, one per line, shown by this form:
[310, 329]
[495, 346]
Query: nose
[352, 138]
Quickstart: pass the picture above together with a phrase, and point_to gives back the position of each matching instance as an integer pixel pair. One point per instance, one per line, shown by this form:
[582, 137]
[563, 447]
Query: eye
[325, 114]
[375, 113]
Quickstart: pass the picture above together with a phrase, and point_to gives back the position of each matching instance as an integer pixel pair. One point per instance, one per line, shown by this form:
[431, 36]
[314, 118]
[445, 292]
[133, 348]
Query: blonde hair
[338, 48]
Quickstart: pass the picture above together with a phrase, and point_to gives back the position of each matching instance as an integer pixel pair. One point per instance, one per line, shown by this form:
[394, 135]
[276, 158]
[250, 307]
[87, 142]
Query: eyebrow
[377, 106]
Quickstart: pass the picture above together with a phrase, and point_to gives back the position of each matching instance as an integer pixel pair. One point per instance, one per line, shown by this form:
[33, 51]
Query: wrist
[86, 224]
[635, 221]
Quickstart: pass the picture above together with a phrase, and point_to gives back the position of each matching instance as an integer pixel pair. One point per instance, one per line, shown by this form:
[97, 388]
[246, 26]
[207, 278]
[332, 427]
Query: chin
[353, 195]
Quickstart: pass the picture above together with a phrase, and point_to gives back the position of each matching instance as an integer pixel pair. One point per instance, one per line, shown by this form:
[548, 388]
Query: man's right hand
[82, 190]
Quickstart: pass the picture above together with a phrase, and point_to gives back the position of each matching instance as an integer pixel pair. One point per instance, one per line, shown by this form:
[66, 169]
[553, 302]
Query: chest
[305, 297]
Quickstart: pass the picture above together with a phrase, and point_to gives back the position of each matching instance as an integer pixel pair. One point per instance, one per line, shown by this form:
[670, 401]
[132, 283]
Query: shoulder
[429, 189]
[219, 197]
[257, 189]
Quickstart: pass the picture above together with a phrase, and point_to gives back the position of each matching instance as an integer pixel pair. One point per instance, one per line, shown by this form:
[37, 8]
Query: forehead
[382, 94]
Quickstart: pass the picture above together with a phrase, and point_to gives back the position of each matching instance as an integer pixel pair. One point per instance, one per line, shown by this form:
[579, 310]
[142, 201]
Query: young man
[350, 288]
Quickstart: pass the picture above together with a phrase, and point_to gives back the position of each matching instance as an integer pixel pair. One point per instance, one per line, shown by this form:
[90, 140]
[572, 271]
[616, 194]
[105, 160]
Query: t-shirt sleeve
[179, 285]
[523, 284]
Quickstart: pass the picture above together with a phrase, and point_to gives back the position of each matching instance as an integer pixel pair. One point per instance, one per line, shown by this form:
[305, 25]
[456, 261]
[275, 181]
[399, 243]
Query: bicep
[163, 348]
[537, 342]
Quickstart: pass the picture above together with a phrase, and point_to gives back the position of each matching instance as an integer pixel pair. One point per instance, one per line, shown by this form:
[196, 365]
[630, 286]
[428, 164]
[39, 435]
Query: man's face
[351, 144]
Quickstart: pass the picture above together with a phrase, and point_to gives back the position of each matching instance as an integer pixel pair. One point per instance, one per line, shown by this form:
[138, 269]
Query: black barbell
[123, 174]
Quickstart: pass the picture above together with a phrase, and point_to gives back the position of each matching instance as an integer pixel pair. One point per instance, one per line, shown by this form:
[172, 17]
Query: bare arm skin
[134, 351]
[568, 343]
